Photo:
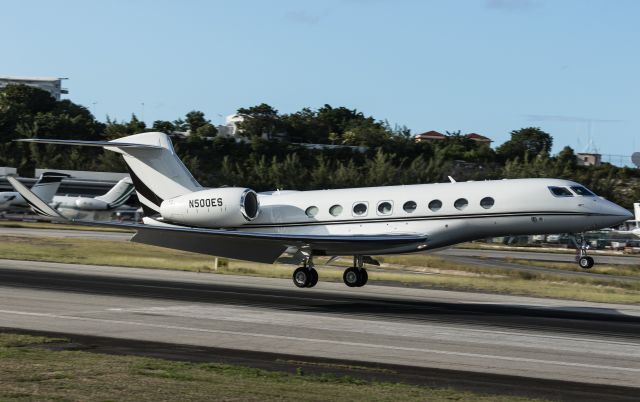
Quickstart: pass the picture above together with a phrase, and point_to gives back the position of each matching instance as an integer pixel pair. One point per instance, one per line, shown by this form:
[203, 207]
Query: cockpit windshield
[582, 191]
[560, 191]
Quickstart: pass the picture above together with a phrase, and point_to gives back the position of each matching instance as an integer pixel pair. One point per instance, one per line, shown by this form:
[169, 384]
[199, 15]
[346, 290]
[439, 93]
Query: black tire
[585, 262]
[313, 280]
[301, 277]
[364, 277]
[351, 277]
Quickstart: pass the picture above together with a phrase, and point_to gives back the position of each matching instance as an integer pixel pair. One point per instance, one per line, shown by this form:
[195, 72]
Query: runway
[477, 334]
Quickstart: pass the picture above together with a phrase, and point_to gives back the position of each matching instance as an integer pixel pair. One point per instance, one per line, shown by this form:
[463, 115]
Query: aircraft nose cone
[618, 213]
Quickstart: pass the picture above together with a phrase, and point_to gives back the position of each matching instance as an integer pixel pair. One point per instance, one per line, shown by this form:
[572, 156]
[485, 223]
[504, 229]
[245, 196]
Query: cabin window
[487, 202]
[385, 208]
[335, 210]
[461, 203]
[582, 191]
[435, 205]
[410, 206]
[560, 191]
[311, 211]
[360, 209]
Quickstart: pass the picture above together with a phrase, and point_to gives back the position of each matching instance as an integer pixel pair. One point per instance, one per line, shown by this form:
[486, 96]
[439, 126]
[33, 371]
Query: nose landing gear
[583, 260]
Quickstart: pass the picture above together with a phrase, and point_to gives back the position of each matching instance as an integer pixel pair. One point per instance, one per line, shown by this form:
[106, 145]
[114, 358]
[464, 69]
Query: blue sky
[486, 66]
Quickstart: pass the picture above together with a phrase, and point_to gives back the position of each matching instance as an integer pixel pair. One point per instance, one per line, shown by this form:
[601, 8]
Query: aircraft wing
[251, 246]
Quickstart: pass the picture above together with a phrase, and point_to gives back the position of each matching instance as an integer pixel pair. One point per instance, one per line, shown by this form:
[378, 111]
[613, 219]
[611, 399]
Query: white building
[230, 127]
[49, 84]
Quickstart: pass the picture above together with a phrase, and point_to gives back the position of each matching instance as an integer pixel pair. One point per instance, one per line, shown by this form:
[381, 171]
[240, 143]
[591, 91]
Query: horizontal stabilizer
[89, 143]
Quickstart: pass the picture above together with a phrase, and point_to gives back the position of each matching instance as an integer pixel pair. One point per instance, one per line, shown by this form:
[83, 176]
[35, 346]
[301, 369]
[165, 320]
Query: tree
[163, 126]
[195, 119]
[260, 120]
[530, 141]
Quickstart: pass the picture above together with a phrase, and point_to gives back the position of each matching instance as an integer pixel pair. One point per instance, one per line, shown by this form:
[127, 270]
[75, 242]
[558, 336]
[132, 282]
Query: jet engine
[213, 208]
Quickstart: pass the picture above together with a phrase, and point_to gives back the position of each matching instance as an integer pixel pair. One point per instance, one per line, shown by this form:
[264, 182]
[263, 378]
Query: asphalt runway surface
[563, 349]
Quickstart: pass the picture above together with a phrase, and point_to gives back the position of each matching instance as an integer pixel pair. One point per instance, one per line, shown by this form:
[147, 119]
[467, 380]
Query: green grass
[30, 372]
[406, 270]
[58, 226]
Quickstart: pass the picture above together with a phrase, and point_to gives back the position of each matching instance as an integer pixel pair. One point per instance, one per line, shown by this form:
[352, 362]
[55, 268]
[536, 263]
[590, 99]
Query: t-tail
[118, 194]
[155, 169]
[47, 185]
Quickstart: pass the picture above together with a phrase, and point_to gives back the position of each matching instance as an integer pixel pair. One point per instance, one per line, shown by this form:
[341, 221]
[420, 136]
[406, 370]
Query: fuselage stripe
[422, 218]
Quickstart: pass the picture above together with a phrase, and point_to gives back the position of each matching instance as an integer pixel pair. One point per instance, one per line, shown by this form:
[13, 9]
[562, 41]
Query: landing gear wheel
[351, 277]
[302, 277]
[585, 262]
[364, 277]
[314, 278]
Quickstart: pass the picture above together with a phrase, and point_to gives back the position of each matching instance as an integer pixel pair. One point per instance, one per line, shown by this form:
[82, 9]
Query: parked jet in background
[45, 188]
[88, 207]
[630, 228]
[237, 222]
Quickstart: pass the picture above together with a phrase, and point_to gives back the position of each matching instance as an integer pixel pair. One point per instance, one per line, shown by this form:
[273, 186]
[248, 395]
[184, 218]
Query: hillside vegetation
[272, 155]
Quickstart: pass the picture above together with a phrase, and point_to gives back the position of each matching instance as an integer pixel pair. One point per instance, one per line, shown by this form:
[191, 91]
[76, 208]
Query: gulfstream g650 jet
[237, 222]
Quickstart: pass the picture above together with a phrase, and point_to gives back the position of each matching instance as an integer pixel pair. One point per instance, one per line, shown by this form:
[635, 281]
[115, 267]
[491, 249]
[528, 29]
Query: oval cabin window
[487, 202]
[385, 208]
[360, 209]
[435, 205]
[410, 206]
[461, 203]
[335, 210]
[311, 211]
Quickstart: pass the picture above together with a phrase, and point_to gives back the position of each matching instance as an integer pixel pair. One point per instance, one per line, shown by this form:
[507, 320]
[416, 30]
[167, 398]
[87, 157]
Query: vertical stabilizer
[118, 194]
[47, 185]
[636, 210]
[157, 172]
[155, 169]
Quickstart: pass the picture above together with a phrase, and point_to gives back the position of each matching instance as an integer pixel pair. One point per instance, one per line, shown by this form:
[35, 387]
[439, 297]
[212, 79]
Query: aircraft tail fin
[38, 205]
[47, 185]
[155, 169]
[118, 194]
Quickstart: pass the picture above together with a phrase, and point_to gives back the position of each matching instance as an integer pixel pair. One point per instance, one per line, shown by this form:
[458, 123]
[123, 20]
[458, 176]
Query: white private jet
[239, 223]
[45, 188]
[83, 207]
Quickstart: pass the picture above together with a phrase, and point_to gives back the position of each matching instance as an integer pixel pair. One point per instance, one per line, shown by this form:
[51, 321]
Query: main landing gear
[356, 276]
[583, 260]
[305, 277]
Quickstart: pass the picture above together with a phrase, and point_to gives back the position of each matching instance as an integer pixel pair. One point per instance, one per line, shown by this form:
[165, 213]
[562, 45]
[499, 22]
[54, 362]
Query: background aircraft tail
[47, 185]
[118, 194]
[155, 169]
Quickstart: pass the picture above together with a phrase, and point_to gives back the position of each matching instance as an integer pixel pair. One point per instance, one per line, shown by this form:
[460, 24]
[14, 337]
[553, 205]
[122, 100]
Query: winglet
[451, 179]
[37, 205]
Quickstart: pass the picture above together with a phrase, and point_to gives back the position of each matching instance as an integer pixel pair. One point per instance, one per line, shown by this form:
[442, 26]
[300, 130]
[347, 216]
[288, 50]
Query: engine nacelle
[213, 208]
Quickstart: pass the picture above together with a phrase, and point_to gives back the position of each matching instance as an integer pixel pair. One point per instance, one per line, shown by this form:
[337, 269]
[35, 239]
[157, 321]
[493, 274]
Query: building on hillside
[588, 159]
[230, 127]
[49, 84]
[479, 138]
[430, 136]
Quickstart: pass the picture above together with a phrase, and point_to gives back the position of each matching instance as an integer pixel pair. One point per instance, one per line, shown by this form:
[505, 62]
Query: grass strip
[30, 372]
[58, 226]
